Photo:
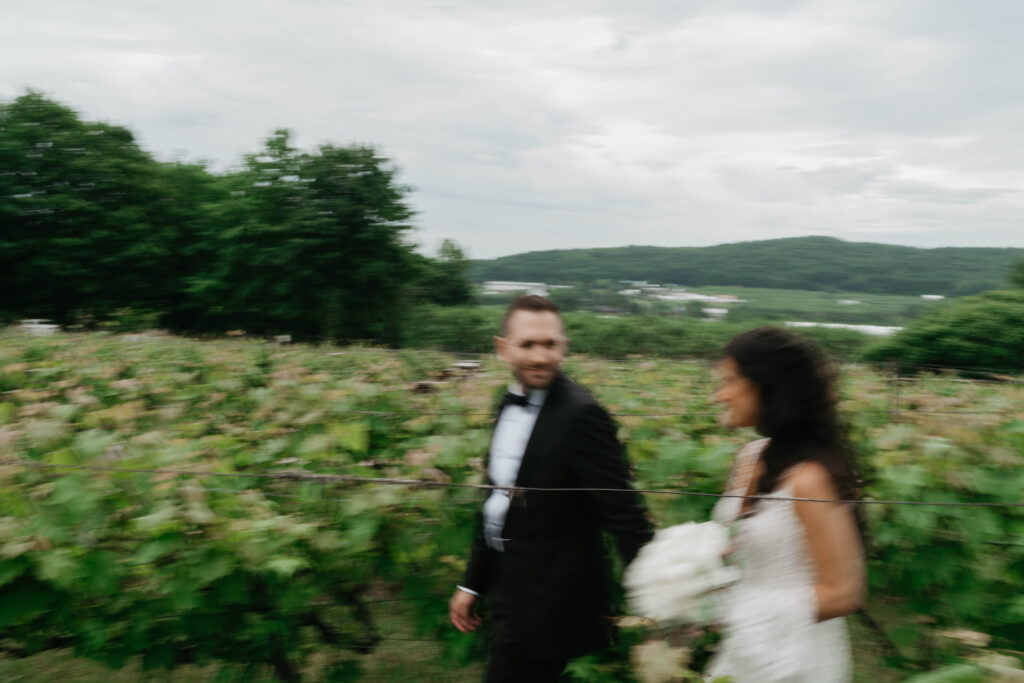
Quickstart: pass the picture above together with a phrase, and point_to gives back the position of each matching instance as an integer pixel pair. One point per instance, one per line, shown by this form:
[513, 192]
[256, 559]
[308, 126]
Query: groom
[538, 556]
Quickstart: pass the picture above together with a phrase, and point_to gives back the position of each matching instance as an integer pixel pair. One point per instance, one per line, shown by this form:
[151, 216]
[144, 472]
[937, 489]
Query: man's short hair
[528, 302]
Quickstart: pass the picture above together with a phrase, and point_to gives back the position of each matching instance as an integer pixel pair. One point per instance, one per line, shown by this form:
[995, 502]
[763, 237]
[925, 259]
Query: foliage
[314, 246]
[309, 243]
[982, 332]
[815, 263]
[471, 329]
[87, 190]
[257, 571]
[181, 569]
[1017, 273]
[467, 329]
[681, 338]
[446, 279]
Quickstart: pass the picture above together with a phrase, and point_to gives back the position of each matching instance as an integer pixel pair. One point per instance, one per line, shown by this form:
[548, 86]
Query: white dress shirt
[511, 434]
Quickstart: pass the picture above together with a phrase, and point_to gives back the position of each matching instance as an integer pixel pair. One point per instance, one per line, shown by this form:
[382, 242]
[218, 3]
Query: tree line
[814, 263]
[311, 243]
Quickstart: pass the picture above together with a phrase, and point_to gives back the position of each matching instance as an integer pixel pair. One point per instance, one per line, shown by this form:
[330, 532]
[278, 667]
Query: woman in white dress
[802, 561]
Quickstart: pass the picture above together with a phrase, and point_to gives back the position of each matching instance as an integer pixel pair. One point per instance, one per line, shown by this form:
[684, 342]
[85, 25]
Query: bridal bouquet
[673, 578]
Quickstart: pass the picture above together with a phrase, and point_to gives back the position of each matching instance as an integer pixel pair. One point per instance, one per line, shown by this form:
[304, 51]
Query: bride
[802, 561]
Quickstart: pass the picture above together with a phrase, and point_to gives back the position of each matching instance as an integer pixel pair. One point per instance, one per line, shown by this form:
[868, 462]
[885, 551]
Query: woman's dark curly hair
[795, 383]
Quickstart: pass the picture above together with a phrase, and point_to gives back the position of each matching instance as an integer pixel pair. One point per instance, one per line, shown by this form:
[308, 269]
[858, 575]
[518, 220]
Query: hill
[814, 263]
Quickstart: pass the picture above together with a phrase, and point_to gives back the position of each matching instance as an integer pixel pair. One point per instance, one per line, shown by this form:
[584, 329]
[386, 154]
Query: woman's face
[742, 403]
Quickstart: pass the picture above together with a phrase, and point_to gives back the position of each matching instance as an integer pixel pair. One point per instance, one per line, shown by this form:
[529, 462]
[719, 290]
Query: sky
[531, 125]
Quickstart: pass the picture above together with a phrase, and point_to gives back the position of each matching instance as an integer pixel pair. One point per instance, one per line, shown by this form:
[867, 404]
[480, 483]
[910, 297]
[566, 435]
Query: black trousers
[507, 663]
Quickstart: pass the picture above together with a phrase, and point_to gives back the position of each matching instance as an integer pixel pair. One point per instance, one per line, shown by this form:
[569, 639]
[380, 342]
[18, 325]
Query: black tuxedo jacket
[549, 589]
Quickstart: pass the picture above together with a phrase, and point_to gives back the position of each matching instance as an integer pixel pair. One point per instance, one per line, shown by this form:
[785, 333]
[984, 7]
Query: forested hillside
[816, 263]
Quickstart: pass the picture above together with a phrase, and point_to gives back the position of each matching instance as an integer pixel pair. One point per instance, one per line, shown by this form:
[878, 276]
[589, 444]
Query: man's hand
[461, 612]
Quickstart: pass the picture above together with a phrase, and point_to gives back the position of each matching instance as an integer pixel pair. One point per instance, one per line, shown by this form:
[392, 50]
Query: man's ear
[500, 343]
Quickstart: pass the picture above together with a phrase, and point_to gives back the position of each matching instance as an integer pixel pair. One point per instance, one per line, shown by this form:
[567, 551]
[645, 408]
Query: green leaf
[1016, 608]
[197, 513]
[163, 518]
[212, 567]
[152, 550]
[24, 598]
[352, 436]
[46, 434]
[316, 446]
[75, 496]
[93, 443]
[101, 573]
[286, 566]
[11, 569]
[61, 456]
[59, 566]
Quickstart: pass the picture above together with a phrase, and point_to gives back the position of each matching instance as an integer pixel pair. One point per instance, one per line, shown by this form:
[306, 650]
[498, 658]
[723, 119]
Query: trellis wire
[298, 476]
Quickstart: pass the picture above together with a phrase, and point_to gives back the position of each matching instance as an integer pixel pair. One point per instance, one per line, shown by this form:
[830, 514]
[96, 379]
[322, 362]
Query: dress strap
[745, 465]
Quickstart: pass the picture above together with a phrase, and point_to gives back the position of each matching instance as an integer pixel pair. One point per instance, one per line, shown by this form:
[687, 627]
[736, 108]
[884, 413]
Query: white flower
[673, 577]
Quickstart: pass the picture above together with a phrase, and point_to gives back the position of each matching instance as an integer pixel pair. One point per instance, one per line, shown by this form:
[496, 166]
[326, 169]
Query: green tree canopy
[978, 332]
[815, 263]
[445, 280]
[1017, 273]
[309, 243]
[90, 222]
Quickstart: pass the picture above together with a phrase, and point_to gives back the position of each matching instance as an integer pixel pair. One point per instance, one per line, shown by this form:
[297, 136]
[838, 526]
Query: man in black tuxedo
[538, 556]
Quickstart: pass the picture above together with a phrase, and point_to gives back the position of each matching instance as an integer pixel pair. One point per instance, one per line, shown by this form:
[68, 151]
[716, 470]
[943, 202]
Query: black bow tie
[512, 399]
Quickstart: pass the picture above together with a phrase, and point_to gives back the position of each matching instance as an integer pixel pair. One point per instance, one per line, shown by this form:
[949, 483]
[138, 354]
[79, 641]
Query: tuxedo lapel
[543, 431]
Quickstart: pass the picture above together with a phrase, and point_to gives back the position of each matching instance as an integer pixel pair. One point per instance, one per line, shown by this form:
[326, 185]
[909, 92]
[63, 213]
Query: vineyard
[203, 507]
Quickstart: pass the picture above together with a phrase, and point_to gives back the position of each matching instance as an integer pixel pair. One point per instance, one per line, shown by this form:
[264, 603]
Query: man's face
[534, 346]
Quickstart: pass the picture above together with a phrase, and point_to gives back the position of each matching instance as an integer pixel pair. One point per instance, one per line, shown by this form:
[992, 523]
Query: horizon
[722, 244]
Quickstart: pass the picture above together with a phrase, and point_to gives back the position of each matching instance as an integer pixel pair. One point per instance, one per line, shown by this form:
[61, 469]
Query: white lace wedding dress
[771, 631]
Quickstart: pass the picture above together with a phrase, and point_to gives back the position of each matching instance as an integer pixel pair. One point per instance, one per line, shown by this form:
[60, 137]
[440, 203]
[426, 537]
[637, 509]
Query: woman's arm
[834, 542]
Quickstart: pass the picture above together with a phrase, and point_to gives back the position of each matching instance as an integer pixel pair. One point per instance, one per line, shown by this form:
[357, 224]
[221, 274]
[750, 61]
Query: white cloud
[535, 125]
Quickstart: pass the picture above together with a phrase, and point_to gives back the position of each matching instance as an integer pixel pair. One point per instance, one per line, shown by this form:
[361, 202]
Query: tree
[309, 243]
[984, 332]
[446, 279]
[1017, 274]
[572, 298]
[816, 263]
[90, 222]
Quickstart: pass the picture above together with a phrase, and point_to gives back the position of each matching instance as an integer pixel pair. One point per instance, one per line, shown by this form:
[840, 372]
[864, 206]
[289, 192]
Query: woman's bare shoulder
[813, 480]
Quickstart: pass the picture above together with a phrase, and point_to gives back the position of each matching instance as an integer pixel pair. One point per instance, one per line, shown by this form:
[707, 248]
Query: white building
[873, 330]
[498, 287]
[39, 326]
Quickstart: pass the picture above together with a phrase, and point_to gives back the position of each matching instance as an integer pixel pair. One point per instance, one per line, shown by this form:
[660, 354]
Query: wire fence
[512, 491]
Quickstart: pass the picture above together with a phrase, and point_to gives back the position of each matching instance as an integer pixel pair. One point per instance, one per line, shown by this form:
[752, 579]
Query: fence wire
[512, 491]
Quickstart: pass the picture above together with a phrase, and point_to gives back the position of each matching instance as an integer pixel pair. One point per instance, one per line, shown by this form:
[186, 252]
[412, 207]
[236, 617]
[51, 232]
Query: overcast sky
[543, 124]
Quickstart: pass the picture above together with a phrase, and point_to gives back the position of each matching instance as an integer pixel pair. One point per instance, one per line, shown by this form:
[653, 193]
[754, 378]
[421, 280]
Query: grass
[798, 304]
